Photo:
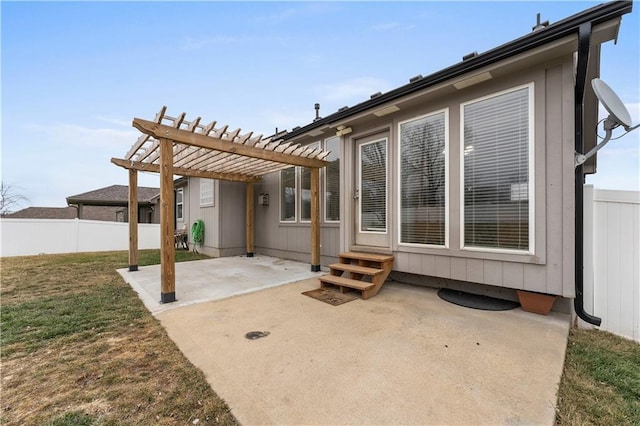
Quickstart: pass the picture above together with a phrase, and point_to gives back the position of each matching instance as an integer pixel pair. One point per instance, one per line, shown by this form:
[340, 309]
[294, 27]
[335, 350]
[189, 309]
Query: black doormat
[476, 301]
[331, 297]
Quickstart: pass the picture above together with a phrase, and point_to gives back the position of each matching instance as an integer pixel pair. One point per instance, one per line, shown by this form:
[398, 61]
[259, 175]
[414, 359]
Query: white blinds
[422, 180]
[496, 172]
[373, 186]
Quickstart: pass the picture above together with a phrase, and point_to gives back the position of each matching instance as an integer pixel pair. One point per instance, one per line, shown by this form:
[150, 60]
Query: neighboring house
[111, 204]
[44, 213]
[466, 175]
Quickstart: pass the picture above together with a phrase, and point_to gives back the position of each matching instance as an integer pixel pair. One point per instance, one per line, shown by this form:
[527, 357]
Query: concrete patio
[402, 357]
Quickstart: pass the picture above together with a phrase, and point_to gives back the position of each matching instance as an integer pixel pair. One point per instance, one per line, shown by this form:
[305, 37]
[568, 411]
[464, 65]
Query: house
[111, 203]
[465, 177]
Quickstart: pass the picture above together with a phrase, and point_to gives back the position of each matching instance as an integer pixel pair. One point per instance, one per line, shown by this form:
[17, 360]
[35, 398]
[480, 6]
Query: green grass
[78, 347]
[601, 380]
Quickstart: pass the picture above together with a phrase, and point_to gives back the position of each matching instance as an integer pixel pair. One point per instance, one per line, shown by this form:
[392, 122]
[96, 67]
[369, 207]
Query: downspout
[584, 42]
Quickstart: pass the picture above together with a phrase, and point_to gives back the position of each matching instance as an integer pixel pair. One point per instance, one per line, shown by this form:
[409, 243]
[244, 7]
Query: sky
[75, 74]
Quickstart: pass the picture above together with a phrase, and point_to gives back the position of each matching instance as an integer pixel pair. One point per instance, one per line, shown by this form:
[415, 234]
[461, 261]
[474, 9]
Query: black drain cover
[253, 335]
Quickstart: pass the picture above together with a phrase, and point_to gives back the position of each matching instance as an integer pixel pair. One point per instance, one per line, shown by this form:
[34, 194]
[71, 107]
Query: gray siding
[289, 240]
[551, 268]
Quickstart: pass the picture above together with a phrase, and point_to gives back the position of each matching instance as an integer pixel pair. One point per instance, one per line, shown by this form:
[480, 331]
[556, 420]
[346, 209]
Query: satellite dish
[612, 103]
[618, 116]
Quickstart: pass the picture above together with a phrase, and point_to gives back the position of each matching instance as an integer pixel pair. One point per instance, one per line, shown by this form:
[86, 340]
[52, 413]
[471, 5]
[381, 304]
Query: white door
[371, 192]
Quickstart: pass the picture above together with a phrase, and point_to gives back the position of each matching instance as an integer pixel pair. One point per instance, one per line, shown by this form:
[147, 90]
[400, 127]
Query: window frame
[531, 172]
[180, 203]
[446, 181]
[358, 172]
[213, 193]
[295, 197]
[324, 182]
[299, 171]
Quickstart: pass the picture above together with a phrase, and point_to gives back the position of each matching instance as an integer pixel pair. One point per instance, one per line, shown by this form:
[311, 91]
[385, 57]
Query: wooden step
[356, 269]
[372, 257]
[346, 282]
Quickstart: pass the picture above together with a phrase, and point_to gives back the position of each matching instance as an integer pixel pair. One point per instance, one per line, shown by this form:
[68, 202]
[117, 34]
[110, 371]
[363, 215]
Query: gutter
[584, 43]
[568, 26]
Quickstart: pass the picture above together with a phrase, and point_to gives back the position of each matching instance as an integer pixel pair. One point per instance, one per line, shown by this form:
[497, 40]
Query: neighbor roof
[45, 213]
[595, 15]
[114, 195]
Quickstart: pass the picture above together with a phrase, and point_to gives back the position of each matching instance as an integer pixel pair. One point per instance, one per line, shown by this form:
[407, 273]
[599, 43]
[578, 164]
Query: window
[332, 181]
[497, 173]
[305, 190]
[179, 204]
[206, 192]
[288, 194]
[423, 143]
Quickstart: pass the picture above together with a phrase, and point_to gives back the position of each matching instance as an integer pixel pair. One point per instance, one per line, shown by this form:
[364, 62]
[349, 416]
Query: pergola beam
[133, 220]
[167, 221]
[161, 131]
[147, 167]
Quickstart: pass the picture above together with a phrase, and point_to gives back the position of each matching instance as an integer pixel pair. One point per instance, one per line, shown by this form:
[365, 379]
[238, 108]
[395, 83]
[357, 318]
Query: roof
[595, 15]
[45, 213]
[114, 195]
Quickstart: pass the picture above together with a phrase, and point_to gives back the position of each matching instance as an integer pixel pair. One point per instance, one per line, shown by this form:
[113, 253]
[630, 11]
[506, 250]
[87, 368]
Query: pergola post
[167, 220]
[315, 219]
[249, 229]
[133, 220]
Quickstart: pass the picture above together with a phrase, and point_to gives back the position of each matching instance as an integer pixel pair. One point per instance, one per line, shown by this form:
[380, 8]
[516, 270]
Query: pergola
[174, 146]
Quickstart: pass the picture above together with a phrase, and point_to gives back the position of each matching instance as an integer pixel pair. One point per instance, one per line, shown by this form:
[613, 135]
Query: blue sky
[74, 75]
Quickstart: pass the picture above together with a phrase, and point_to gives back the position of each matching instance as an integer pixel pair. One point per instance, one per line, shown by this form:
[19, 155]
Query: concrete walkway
[402, 357]
[204, 280]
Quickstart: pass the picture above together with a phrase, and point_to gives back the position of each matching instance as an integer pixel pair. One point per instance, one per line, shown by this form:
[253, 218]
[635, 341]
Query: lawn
[78, 347]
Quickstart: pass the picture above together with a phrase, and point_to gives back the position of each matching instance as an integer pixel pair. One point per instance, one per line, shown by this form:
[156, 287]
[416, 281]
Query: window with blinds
[206, 192]
[288, 194]
[332, 181]
[373, 186]
[422, 180]
[305, 190]
[497, 138]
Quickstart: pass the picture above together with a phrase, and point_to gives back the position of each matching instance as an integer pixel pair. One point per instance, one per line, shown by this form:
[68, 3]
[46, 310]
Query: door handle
[357, 194]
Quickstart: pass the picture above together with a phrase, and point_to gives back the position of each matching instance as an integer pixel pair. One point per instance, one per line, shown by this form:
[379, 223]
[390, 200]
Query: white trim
[531, 172]
[386, 195]
[446, 180]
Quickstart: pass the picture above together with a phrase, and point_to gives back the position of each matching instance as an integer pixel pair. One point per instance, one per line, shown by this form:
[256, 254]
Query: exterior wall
[24, 237]
[232, 202]
[551, 268]
[290, 240]
[224, 221]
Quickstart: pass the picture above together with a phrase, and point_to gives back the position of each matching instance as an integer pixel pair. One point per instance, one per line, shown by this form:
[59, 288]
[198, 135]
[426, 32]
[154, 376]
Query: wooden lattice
[214, 152]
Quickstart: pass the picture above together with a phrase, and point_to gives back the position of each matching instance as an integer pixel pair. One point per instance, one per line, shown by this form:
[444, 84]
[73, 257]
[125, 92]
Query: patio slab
[211, 279]
[402, 357]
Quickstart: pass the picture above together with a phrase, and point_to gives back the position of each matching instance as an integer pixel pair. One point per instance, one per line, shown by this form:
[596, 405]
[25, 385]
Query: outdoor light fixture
[618, 116]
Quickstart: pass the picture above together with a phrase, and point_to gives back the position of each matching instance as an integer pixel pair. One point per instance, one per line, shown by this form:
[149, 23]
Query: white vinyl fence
[21, 237]
[612, 259]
